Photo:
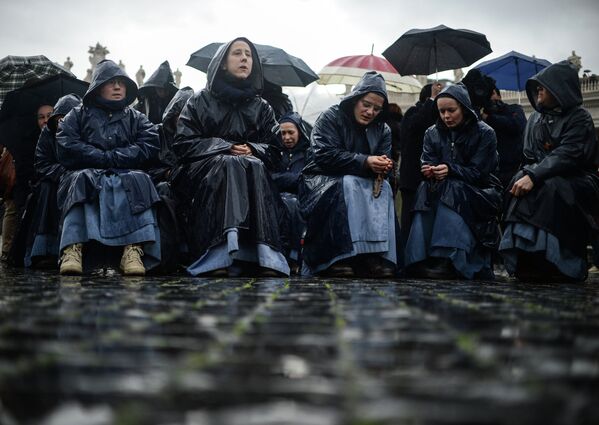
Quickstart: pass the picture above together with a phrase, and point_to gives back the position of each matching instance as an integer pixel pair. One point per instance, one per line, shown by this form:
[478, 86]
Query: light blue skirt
[371, 222]
[109, 221]
[525, 237]
[445, 234]
[223, 255]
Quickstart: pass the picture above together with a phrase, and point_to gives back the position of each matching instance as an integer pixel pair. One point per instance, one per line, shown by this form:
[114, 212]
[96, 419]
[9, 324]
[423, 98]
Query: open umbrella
[279, 67]
[17, 70]
[511, 70]
[17, 114]
[349, 69]
[425, 51]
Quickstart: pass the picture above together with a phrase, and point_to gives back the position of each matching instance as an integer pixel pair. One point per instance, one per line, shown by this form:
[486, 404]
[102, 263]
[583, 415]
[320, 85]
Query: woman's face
[239, 60]
[368, 107]
[289, 134]
[43, 114]
[114, 89]
[450, 111]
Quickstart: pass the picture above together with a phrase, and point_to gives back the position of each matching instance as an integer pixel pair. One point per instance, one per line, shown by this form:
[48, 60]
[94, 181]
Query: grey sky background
[318, 31]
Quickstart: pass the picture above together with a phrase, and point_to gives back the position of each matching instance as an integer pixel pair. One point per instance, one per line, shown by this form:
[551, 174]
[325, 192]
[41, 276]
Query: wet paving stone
[103, 349]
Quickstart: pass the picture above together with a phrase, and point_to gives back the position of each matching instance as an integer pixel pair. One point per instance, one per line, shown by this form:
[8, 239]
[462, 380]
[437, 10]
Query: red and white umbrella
[349, 69]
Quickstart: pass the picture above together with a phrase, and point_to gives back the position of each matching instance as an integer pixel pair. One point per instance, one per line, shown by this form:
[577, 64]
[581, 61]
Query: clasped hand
[241, 150]
[437, 172]
[379, 164]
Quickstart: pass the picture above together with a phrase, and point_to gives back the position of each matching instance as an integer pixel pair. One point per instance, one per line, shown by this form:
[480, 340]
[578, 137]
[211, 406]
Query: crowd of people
[223, 183]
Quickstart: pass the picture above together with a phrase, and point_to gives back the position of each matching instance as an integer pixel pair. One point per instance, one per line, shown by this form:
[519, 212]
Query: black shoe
[217, 273]
[340, 269]
[266, 272]
[374, 266]
[433, 268]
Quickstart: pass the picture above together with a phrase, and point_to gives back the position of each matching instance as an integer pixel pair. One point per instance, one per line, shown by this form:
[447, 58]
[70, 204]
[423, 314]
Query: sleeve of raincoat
[329, 151]
[46, 164]
[74, 153]
[144, 149]
[569, 155]
[266, 148]
[191, 143]
[430, 154]
[481, 164]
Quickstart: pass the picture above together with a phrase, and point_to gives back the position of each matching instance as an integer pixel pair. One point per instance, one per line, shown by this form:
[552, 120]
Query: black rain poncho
[471, 188]
[561, 158]
[39, 229]
[150, 103]
[217, 190]
[338, 147]
[94, 141]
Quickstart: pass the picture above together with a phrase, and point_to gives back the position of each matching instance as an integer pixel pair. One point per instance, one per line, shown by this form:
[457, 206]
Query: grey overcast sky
[318, 31]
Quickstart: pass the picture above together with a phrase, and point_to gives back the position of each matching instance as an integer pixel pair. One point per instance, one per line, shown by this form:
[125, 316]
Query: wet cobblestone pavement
[104, 349]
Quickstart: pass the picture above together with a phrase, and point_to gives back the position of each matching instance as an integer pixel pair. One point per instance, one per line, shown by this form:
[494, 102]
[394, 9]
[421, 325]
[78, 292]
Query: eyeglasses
[115, 81]
[366, 104]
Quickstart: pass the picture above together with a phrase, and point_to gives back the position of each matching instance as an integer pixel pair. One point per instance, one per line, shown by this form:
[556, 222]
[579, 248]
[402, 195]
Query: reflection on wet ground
[104, 349]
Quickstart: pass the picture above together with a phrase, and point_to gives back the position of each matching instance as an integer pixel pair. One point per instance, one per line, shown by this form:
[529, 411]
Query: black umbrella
[279, 67]
[17, 115]
[425, 51]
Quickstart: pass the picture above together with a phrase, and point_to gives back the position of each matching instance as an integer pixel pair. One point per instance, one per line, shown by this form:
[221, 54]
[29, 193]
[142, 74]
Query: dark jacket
[217, 190]
[413, 125]
[278, 100]
[46, 161]
[508, 121]
[470, 152]
[292, 160]
[149, 102]
[93, 140]
[166, 131]
[338, 147]
[560, 141]
[210, 124]
[561, 155]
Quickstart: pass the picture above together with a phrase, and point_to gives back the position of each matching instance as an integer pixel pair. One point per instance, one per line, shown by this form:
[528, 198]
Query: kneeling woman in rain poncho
[553, 203]
[225, 145]
[455, 229]
[105, 195]
[347, 203]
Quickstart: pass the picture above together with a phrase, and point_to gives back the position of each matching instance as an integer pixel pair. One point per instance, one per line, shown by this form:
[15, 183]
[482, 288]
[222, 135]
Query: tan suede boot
[131, 263]
[71, 261]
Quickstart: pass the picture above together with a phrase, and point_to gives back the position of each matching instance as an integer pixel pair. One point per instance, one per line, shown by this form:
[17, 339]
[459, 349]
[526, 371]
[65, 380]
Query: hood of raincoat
[107, 70]
[371, 82]
[161, 78]
[459, 93]
[62, 107]
[561, 79]
[304, 140]
[173, 110]
[256, 77]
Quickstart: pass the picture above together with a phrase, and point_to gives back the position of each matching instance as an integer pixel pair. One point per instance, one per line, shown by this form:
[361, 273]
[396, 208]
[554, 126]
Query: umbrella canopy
[279, 67]
[425, 51]
[17, 70]
[17, 114]
[512, 70]
[349, 69]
